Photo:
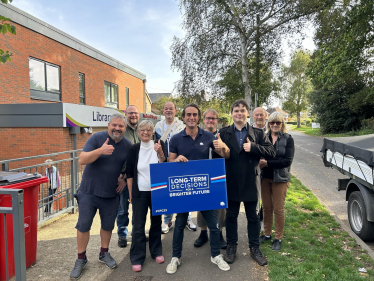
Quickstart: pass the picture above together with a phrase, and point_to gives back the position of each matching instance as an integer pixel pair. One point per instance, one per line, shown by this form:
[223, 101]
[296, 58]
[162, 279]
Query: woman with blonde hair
[276, 178]
[139, 184]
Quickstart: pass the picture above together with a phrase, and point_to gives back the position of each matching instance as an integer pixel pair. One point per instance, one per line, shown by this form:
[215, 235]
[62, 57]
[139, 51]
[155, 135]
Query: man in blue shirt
[193, 143]
[104, 155]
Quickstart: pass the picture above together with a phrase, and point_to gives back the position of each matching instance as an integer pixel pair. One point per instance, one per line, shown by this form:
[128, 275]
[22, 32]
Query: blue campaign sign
[188, 186]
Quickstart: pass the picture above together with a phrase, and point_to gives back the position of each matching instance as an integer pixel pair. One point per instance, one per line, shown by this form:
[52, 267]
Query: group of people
[257, 160]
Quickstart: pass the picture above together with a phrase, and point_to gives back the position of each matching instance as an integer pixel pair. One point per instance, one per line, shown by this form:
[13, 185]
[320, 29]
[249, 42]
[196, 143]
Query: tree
[261, 82]
[6, 26]
[223, 33]
[341, 69]
[297, 84]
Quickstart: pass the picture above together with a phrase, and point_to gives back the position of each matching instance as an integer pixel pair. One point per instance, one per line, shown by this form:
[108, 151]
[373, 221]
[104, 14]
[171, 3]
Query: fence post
[5, 167]
[19, 235]
[73, 175]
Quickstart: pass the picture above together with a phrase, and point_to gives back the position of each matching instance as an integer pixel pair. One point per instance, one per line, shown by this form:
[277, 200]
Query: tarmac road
[308, 167]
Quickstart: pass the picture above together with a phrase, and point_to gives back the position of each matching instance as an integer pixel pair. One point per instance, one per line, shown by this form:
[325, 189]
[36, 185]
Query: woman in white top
[139, 183]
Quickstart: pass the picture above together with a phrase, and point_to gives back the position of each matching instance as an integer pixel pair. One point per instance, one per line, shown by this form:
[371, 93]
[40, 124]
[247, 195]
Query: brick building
[57, 88]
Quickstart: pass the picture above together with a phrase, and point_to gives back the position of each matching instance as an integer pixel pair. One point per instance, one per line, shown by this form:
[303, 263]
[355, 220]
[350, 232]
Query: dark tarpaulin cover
[360, 147]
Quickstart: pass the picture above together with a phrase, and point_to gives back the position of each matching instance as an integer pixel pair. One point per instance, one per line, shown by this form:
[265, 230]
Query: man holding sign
[193, 143]
[247, 146]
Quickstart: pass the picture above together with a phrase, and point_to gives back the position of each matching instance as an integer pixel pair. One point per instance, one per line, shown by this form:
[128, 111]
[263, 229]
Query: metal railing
[52, 201]
[18, 232]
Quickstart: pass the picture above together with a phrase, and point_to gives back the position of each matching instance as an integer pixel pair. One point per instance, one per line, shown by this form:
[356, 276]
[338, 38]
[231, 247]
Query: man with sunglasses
[247, 146]
[210, 119]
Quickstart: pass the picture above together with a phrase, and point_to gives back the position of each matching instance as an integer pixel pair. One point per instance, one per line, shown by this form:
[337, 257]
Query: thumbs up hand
[247, 145]
[218, 143]
[158, 148]
[107, 149]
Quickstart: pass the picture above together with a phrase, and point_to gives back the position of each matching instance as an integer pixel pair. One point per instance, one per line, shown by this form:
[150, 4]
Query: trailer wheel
[358, 218]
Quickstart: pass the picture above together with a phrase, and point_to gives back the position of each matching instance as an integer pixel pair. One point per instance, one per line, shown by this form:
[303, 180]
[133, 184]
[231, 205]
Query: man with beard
[132, 118]
[104, 155]
[165, 130]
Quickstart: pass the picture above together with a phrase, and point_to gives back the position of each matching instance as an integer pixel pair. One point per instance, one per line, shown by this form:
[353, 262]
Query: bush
[368, 123]
[308, 122]
[291, 123]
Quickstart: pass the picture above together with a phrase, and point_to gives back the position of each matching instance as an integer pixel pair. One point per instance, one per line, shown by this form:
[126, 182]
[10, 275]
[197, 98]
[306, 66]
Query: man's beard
[118, 137]
[133, 123]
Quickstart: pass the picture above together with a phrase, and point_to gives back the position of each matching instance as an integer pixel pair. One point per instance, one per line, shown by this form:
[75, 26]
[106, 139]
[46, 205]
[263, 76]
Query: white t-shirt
[147, 155]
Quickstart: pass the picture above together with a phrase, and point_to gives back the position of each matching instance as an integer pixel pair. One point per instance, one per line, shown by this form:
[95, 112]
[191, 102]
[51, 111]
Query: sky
[138, 33]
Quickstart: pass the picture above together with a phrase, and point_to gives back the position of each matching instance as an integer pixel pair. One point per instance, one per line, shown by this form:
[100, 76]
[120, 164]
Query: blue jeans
[212, 222]
[169, 217]
[123, 213]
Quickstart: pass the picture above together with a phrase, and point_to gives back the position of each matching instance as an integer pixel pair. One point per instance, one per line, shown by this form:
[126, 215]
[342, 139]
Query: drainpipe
[145, 98]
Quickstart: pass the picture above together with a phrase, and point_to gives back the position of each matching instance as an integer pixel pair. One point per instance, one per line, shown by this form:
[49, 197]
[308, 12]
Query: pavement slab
[196, 264]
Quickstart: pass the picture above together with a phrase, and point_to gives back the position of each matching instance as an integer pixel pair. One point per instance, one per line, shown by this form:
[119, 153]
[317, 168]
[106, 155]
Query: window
[111, 95]
[44, 80]
[82, 99]
[127, 97]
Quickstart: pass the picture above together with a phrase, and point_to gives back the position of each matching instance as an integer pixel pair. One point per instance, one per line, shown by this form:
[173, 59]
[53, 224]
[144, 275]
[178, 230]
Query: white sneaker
[173, 265]
[191, 226]
[218, 260]
[166, 227]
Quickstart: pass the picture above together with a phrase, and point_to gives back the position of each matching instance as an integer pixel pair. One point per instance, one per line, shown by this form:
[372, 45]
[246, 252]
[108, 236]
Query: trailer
[354, 157]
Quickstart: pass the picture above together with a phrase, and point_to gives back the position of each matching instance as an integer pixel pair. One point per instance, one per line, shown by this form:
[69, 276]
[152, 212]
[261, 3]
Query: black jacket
[132, 166]
[242, 169]
[278, 168]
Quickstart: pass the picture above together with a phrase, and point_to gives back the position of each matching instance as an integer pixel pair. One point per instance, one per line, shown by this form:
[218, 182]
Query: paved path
[196, 264]
[56, 255]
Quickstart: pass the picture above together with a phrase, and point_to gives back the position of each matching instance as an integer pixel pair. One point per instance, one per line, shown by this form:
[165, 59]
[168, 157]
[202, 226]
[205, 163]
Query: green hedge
[292, 123]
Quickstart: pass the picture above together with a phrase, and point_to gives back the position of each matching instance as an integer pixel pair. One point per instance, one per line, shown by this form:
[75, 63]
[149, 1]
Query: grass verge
[314, 246]
[316, 132]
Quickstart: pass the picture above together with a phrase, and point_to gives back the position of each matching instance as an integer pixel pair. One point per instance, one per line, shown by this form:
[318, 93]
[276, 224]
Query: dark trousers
[253, 224]
[212, 222]
[123, 213]
[50, 199]
[140, 207]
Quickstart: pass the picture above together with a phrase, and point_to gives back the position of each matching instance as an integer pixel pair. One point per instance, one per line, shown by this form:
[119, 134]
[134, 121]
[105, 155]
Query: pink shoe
[160, 259]
[137, 267]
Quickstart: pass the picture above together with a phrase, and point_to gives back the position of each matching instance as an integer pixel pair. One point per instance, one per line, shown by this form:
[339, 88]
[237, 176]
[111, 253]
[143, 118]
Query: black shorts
[88, 206]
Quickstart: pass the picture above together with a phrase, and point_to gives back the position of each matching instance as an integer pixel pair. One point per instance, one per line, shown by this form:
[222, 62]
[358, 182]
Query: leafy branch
[6, 26]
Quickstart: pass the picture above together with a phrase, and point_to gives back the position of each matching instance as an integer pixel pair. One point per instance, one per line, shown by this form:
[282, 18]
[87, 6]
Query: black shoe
[201, 240]
[222, 242]
[76, 273]
[257, 256]
[122, 242]
[277, 244]
[230, 254]
[263, 238]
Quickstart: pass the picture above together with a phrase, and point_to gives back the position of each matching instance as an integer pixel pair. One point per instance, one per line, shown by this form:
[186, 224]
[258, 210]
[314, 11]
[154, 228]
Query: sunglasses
[273, 123]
